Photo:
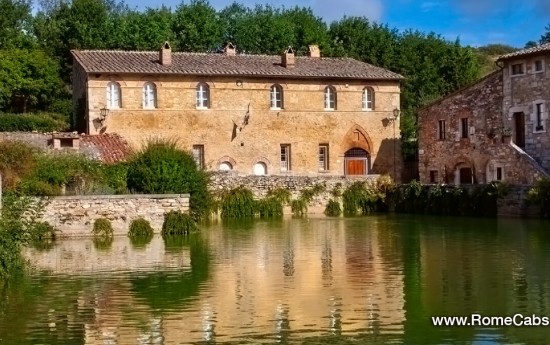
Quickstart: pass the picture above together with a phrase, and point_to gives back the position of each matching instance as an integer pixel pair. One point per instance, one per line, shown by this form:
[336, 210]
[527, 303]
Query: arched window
[330, 98]
[225, 166]
[203, 96]
[276, 96]
[260, 168]
[149, 95]
[113, 95]
[368, 98]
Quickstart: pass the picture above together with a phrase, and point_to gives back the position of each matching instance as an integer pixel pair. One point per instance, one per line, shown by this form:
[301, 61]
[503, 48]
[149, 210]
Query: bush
[361, 198]
[40, 122]
[177, 223]
[140, 227]
[540, 195]
[115, 176]
[17, 161]
[102, 229]
[269, 207]
[333, 208]
[163, 168]
[238, 203]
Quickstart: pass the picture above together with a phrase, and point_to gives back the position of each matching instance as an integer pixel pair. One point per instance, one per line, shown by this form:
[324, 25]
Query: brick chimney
[230, 49]
[165, 54]
[314, 51]
[287, 59]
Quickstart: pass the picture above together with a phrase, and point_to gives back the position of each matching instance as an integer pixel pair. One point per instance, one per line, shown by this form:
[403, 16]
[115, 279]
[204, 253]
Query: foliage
[298, 207]
[539, 195]
[269, 207]
[14, 23]
[196, 27]
[360, 198]
[18, 226]
[17, 161]
[238, 203]
[177, 223]
[30, 80]
[140, 227]
[333, 208]
[161, 167]
[102, 229]
[39, 122]
[281, 194]
[115, 177]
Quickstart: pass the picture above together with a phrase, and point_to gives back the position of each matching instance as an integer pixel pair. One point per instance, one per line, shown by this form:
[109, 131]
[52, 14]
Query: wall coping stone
[120, 196]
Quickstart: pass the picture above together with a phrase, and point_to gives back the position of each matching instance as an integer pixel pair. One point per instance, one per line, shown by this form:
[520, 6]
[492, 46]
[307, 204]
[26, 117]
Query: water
[374, 280]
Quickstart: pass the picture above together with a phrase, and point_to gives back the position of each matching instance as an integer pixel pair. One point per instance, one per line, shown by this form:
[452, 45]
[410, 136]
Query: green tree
[15, 17]
[196, 27]
[146, 30]
[545, 38]
[29, 80]
[163, 168]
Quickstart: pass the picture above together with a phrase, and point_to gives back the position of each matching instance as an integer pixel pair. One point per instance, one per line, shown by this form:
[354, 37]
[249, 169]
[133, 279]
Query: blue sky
[475, 22]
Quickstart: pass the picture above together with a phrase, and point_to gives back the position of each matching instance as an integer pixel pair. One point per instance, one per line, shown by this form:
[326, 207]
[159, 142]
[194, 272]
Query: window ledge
[330, 109]
[202, 108]
[367, 109]
[276, 109]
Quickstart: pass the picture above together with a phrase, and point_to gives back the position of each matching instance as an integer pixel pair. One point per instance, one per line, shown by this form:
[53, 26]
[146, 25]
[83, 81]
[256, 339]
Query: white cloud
[332, 10]
[429, 5]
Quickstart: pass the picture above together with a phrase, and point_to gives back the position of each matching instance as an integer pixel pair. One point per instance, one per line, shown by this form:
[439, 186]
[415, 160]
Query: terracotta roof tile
[112, 61]
[109, 147]
[528, 51]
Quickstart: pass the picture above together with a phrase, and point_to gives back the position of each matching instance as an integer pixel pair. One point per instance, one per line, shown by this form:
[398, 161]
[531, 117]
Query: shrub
[298, 207]
[40, 122]
[269, 207]
[540, 195]
[102, 229]
[333, 208]
[140, 227]
[163, 168]
[238, 203]
[115, 176]
[360, 198]
[17, 161]
[281, 194]
[177, 223]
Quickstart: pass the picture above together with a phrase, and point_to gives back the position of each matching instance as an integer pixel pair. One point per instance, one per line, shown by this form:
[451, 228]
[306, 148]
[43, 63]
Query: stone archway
[356, 161]
[357, 150]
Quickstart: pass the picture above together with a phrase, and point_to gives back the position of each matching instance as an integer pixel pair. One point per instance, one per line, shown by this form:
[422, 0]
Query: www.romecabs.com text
[517, 320]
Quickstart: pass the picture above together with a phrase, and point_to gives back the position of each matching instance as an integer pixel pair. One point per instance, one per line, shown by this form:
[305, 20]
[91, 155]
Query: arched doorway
[519, 127]
[356, 162]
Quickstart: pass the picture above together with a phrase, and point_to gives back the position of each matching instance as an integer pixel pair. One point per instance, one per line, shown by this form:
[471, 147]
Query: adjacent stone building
[252, 114]
[493, 130]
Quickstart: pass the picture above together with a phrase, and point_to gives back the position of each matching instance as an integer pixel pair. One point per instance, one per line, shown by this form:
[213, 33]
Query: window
[441, 130]
[330, 98]
[464, 128]
[539, 124]
[203, 96]
[198, 155]
[539, 67]
[113, 95]
[285, 157]
[323, 157]
[517, 69]
[225, 166]
[149, 95]
[434, 176]
[276, 97]
[368, 98]
[498, 174]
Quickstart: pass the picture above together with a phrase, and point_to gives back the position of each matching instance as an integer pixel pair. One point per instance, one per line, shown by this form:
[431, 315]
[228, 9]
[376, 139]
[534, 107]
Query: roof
[108, 147]
[202, 64]
[529, 51]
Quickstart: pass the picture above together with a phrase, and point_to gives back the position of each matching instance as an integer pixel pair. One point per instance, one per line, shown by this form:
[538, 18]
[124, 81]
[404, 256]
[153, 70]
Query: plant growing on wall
[177, 223]
[540, 195]
[333, 208]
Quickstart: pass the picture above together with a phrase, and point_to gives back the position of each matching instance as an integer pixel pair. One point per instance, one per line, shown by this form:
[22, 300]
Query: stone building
[252, 114]
[492, 130]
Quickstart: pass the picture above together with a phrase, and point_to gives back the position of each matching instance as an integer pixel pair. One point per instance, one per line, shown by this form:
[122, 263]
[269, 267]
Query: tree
[545, 38]
[29, 80]
[196, 27]
[15, 16]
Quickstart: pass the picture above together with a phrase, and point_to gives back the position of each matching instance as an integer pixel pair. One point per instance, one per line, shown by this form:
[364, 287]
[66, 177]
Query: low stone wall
[514, 204]
[75, 215]
[260, 185]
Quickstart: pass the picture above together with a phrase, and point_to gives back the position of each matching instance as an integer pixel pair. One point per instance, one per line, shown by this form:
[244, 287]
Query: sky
[474, 22]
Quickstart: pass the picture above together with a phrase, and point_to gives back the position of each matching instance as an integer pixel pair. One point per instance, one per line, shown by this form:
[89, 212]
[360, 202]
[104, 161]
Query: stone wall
[261, 185]
[75, 215]
[514, 204]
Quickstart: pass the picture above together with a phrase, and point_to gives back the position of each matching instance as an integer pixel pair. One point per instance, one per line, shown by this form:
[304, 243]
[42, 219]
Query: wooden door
[465, 176]
[355, 167]
[519, 127]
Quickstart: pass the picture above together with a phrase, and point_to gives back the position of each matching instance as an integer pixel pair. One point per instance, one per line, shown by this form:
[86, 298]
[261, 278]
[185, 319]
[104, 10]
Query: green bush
[361, 198]
[140, 227]
[161, 167]
[115, 177]
[40, 122]
[269, 207]
[177, 223]
[17, 162]
[238, 203]
[102, 229]
[298, 207]
[333, 208]
[540, 195]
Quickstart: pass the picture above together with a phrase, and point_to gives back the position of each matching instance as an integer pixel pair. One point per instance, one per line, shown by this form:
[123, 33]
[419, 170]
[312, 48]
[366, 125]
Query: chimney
[314, 51]
[287, 59]
[165, 54]
[230, 49]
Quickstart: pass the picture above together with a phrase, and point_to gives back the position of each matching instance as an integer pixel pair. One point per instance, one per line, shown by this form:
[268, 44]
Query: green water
[374, 280]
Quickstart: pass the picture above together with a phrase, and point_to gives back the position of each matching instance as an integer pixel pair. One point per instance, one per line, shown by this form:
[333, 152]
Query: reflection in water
[362, 280]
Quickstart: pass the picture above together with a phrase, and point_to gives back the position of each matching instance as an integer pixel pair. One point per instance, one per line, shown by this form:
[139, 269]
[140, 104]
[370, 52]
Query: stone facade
[75, 215]
[239, 129]
[463, 139]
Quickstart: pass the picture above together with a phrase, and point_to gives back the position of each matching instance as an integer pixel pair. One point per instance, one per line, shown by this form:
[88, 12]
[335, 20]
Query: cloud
[429, 5]
[332, 10]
